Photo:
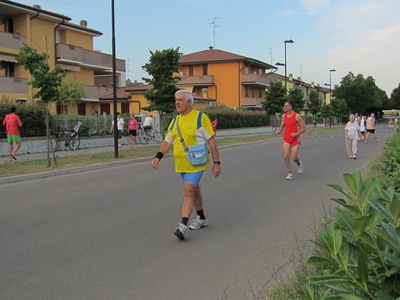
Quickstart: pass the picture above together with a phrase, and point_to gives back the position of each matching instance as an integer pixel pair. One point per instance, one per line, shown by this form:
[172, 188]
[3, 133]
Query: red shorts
[293, 141]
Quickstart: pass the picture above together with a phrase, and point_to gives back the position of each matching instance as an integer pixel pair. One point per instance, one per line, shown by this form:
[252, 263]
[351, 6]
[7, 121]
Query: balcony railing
[13, 41]
[252, 101]
[13, 85]
[95, 92]
[197, 80]
[255, 79]
[69, 54]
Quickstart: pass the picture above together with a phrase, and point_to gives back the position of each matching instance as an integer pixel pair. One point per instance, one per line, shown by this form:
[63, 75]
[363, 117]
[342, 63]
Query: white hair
[187, 95]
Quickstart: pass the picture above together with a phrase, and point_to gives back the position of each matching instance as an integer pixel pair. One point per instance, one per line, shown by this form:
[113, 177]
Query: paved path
[107, 234]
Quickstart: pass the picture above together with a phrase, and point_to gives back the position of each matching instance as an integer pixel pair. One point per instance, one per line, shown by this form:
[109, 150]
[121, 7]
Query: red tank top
[291, 124]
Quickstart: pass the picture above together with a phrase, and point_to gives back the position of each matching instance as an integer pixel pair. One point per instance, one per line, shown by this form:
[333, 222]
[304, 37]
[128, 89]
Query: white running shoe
[198, 223]
[289, 176]
[300, 167]
[350, 156]
[180, 231]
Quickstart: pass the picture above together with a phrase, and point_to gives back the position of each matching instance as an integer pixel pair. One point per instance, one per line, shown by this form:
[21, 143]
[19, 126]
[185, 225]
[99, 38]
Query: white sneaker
[180, 231]
[289, 176]
[350, 156]
[300, 167]
[198, 223]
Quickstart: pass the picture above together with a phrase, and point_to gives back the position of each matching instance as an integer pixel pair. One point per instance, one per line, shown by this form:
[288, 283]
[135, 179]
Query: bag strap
[180, 135]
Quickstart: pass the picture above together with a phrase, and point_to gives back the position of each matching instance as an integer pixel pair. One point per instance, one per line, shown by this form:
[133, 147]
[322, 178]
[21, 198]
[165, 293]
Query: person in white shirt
[148, 124]
[352, 133]
[120, 126]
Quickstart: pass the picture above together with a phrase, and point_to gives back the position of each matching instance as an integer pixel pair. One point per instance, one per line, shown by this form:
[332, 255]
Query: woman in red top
[132, 130]
[294, 126]
[12, 123]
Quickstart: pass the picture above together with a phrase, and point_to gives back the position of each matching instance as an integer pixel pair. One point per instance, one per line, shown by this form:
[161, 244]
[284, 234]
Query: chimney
[37, 6]
[290, 76]
[83, 23]
[312, 83]
[211, 47]
[299, 78]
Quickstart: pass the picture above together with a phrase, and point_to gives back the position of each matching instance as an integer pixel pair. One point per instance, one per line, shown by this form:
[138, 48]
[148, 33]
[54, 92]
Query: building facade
[66, 43]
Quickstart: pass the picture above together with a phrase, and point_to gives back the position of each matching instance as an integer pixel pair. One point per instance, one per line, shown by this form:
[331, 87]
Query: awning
[189, 88]
[7, 57]
[69, 67]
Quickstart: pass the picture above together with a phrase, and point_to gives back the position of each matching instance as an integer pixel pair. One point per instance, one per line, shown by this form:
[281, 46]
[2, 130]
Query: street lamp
[114, 81]
[285, 42]
[330, 93]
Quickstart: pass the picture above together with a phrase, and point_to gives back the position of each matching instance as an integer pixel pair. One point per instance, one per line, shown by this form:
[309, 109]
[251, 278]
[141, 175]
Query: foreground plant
[361, 245]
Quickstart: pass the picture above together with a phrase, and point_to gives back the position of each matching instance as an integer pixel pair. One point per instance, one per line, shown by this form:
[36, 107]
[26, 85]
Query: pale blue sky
[362, 36]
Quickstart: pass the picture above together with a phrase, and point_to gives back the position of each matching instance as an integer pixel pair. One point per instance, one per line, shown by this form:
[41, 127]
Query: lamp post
[330, 93]
[114, 81]
[285, 64]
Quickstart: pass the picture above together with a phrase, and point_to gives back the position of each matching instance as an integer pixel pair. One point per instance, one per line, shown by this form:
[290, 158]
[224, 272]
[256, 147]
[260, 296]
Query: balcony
[11, 41]
[255, 80]
[252, 101]
[95, 92]
[76, 56]
[197, 80]
[13, 85]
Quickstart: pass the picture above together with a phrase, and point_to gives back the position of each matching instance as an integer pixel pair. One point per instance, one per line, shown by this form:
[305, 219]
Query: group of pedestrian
[358, 128]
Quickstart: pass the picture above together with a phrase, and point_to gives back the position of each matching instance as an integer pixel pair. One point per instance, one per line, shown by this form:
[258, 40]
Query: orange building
[230, 79]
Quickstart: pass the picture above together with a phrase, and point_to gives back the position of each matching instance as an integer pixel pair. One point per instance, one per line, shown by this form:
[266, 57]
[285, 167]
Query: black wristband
[159, 155]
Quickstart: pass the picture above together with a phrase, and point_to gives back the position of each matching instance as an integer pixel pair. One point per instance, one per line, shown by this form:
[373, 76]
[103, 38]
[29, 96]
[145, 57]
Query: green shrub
[392, 161]
[361, 245]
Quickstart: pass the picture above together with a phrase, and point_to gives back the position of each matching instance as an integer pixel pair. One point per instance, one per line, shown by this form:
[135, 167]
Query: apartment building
[231, 79]
[66, 43]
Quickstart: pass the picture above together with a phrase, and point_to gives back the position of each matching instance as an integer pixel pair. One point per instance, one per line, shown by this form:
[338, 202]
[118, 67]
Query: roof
[122, 94]
[80, 27]
[218, 56]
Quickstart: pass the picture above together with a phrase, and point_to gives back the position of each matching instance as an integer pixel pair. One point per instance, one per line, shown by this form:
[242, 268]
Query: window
[205, 69]
[124, 108]
[82, 109]
[246, 92]
[191, 70]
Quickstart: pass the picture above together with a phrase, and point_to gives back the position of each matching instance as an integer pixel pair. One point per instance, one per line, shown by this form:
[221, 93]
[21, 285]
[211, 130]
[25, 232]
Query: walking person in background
[132, 130]
[363, 126]
[12, 123]
[390, 125]
[195, 128]
[352, 134]
[120, 127]
[214, 126]
[371, 127]
[293, 125]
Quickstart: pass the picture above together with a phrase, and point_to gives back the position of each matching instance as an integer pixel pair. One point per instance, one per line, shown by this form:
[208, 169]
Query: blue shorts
[192, 177]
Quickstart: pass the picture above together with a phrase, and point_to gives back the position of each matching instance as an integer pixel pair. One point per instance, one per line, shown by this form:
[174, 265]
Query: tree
[395, 97]
[339, 108]
[275, 97]
[297, 96]
[358, 92]
[313, 103]
[44, 79]
[326, 111]
[70, 92]
[162, 66]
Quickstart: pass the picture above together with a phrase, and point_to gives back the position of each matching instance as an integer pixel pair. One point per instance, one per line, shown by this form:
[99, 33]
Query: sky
[358, 36]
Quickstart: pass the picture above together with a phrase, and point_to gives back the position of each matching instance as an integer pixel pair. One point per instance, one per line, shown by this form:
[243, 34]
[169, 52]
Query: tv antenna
[215, 26]
[128, 69]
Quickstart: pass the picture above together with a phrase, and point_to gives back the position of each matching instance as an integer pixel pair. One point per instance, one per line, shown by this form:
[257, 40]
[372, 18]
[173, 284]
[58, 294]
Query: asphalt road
[108, 234]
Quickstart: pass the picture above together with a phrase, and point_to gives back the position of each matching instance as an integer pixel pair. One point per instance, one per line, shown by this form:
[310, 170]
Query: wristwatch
[217, 162]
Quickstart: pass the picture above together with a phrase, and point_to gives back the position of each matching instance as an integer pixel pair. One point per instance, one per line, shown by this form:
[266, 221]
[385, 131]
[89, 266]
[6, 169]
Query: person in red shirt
[293, 125]
[214, 126]
[132, 130]
[12, 123]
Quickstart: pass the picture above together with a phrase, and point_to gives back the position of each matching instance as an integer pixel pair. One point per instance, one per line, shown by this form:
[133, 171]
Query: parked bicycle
[145, 136]
[70, 137]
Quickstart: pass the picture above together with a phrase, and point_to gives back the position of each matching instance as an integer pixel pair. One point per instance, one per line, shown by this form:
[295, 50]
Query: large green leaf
[351, 183]
[394, 209]
[344, 253]
[333, 238]
[308, 291]
[353, 297]
[329, 279]
[382, 295]
[381, 209]
[393, 233]
[386, 238]
[361, 223]
[340, 189]
[355, 210]
[362, 269]
[315, 260]
[395, 260]
[344, 219]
